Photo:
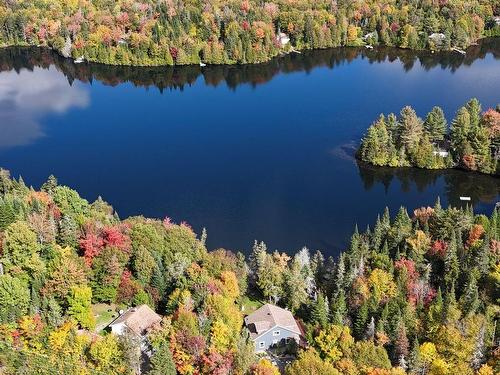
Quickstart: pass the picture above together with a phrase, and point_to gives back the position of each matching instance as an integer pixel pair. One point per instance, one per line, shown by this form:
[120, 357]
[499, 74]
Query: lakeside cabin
[271, 325]
[137, 321]
[283, 39]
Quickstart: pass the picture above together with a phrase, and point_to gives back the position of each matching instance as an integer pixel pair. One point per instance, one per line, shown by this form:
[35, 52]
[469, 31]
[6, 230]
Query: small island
[471, 142]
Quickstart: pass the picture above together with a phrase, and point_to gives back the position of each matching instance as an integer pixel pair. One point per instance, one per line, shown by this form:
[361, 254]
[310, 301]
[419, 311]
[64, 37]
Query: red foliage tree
[216, 364]
[438, 249]
[127, 288]
[116, 237]
[91, 245]
[475, 235]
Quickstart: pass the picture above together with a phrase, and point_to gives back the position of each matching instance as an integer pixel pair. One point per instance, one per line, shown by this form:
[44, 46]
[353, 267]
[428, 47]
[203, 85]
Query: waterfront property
[271, 325]
[137, 321]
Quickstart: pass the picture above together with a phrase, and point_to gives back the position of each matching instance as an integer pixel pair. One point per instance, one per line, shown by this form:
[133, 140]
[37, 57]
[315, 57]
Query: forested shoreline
[171, 32]
[415, 294]
[471, 142]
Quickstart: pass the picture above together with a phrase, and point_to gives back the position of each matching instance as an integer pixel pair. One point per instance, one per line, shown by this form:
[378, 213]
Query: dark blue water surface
[255, 152]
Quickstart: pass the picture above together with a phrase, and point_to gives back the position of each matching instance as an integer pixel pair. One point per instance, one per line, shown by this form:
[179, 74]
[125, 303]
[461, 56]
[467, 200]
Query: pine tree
[401, 346]
[470, 298]
[256, 259]
[339, 308]
[415, 362]
[478, 356]
[435, 124]
[361, 320]
[370, 329]
[162, 362]
[68, 235]
[7, 215]
[319, 313]
[295, 286]
[49, 185]
[411, 128]
[451, 262]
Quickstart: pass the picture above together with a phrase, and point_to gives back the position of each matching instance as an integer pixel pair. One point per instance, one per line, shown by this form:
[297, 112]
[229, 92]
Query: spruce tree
[339, 308]
[415, 361]
[361, 320]
[435, 124]
[162, 362]
[319, 313]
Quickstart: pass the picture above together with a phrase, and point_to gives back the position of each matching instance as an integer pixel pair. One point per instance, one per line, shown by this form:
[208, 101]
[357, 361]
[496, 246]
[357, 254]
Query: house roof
[269, 316]
[138, 319]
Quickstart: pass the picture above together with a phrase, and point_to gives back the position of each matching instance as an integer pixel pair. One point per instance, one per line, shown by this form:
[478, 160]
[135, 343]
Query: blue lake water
[254, 152]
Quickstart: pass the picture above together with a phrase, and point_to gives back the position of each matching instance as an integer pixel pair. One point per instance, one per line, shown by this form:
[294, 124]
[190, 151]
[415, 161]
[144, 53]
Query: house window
[276, 333]
[262, 344]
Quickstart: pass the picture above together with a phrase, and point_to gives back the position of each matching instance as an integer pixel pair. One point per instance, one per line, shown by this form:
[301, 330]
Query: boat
[369, 46]
[202, 64]
[465, 199]
[459, 50]
[79, 60]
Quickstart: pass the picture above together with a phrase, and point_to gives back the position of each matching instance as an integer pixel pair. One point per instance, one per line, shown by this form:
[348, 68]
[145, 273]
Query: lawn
[104, 314]
[250, 304]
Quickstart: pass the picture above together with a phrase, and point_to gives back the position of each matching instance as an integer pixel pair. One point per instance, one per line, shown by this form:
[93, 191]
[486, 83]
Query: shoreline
[468, 171]
[280, 54]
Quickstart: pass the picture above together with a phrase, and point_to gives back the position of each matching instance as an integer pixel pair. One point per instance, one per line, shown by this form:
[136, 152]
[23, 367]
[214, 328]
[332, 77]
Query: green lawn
[250, 304]
[104, 314]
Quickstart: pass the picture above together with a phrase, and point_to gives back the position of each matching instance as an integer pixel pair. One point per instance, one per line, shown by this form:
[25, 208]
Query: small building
[283, 39]
[137, 320]
[438, 39]
[442, 153]
[272, 325]
[371, 35]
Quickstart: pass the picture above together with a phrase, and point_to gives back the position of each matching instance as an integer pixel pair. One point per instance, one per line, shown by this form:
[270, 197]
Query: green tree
[435, 124]
[309, 362]
[79, 306]
[21, 250]
[162, 362]
[14, 298]
[295, 286]
[411, 128]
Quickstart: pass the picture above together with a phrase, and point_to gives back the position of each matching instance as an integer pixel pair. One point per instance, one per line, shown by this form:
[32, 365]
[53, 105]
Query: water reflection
[481, 188]
[233, 76]
[26, 97]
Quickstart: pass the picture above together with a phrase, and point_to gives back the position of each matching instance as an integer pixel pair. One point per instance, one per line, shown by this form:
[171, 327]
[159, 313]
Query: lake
[250, 152]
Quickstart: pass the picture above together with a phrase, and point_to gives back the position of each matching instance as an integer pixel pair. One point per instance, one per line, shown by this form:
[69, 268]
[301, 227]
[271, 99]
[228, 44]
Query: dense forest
[169, 32]
[416, 294]
[472, 142]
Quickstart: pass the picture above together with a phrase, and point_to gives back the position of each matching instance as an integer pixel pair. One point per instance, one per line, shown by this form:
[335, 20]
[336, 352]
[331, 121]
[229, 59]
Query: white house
[136, 320]
[271, 325]
[283, 39]
[442, 153]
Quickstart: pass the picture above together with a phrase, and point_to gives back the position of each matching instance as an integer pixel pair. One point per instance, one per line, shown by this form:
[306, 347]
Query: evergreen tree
[295, 286]
[451, 262]
[411, 128]
[7, 215]
[162, 362]
[435, 124]
[339, 308]
[50, 185]
[415, 361]
[319, 313]
[361, 320]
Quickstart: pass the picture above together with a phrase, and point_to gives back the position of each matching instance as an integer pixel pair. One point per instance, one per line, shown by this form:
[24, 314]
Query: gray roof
[269, 316]
[138, 319]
